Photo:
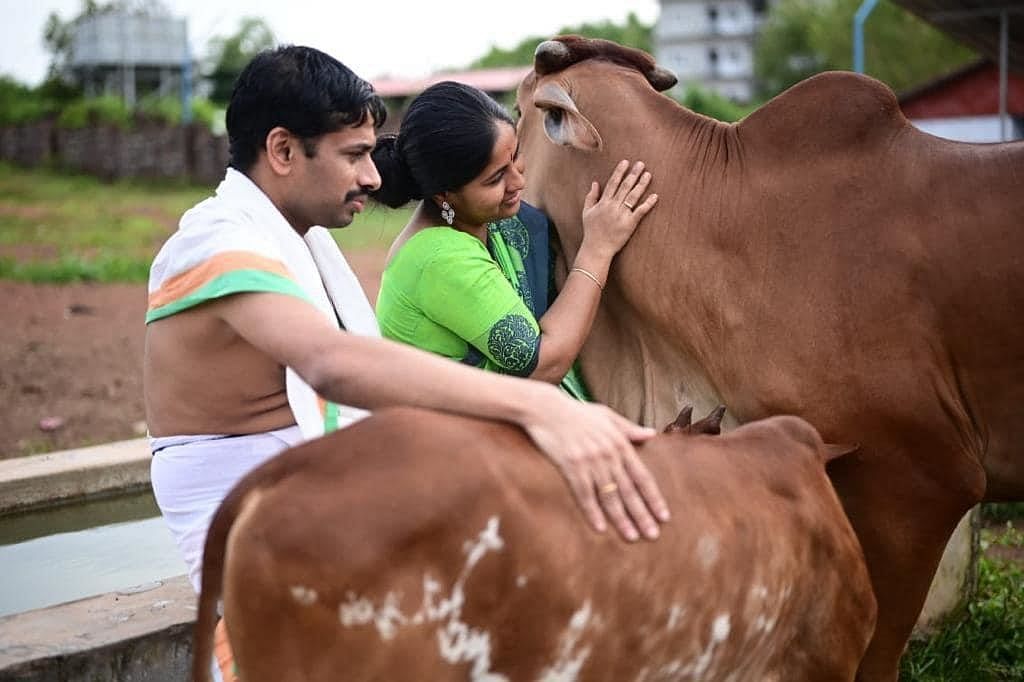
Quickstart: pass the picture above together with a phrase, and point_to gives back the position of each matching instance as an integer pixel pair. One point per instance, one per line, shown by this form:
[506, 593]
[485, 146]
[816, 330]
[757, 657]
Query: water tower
[132, 55]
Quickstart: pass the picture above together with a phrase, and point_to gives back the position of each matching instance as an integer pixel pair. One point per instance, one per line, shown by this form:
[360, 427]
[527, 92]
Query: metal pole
[858, 33]
[186, 81]
[1004, 120]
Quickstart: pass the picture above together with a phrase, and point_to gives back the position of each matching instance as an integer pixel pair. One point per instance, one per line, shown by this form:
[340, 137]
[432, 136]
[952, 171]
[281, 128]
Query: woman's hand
[610, 216]
[593, 448]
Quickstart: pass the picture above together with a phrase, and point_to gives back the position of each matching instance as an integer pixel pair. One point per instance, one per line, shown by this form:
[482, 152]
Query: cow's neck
[673, 279]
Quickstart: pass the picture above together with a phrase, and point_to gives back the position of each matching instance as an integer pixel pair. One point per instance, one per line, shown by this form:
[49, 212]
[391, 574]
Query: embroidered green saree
[448, 293]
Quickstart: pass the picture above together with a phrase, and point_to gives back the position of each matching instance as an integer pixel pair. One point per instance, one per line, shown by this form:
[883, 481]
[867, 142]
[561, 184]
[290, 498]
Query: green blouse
[445, 292]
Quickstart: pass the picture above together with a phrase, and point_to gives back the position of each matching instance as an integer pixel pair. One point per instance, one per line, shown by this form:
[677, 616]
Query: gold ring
[628, 205]
[608, 488]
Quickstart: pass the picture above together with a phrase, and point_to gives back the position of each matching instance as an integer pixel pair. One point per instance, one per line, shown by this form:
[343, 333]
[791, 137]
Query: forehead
[354, 135]
[504, 146]
[504, 143]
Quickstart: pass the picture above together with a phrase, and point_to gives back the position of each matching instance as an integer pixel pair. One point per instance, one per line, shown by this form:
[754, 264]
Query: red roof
[970, 91]
[503, 79]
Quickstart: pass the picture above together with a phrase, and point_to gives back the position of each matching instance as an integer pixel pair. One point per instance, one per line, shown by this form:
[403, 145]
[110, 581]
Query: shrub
[166, 109]
[21, 104]
[106, 109]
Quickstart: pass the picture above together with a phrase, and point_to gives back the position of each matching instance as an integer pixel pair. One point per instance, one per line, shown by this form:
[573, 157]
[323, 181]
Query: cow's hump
[828, 112]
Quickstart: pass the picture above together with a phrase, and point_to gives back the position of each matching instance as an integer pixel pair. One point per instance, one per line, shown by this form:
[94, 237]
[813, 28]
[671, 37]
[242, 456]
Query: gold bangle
[590, 275]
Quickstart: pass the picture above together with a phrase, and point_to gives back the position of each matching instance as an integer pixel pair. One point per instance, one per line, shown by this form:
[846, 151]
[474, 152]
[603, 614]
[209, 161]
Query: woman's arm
[608, 223]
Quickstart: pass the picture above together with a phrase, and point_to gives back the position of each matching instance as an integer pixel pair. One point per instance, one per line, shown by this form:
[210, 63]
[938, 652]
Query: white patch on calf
[719, 633]
[570, 661]
[304, 596]
[386, 619]
[707, 551]
[764, 624]
[675, 616]
[460, 643]
[457, 641]
[521, 581]
[720, 628]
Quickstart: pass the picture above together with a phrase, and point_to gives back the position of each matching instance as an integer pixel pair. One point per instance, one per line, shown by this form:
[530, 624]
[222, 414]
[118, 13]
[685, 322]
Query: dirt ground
[71, 361]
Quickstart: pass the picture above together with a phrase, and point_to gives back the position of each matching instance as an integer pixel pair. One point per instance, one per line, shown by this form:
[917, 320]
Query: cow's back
[416, 545]
[897, 250]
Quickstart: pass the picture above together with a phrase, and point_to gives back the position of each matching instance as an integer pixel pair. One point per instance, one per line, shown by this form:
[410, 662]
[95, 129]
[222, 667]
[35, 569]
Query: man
[255, 320]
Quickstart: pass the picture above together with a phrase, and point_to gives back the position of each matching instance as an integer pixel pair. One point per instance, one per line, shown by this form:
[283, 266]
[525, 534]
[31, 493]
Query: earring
[447, 212]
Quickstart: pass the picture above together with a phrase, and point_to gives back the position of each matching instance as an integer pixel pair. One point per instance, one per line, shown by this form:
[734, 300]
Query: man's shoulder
[217, 210]
[212, 239]
[214, 225]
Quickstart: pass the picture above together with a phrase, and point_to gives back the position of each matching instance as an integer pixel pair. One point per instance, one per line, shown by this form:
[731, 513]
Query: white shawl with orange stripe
[237, 241]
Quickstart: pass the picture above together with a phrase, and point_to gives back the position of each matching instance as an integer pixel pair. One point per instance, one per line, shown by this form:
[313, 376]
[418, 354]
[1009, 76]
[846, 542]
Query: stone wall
[28, 145]
[148, 149]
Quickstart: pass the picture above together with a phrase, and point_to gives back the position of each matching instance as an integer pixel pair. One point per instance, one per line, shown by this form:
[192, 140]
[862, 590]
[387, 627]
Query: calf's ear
[833, 451]
[563, 123]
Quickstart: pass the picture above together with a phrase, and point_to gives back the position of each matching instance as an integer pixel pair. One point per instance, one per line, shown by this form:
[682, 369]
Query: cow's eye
[553, 124]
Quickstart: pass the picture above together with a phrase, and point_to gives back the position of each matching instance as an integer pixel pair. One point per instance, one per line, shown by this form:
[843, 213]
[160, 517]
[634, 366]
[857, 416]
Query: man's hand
[593, 448]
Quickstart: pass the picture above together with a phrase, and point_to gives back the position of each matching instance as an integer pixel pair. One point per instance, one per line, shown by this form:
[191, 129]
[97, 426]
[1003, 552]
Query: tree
[803, 37]
[229, 55]
[634, 34]
[710, 103]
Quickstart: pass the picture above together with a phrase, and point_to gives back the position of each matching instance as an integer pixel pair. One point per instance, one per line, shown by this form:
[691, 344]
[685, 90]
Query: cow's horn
[550, 56]
[661, 78]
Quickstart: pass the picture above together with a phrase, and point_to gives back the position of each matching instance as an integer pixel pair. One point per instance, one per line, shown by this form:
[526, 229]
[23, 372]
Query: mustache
[361, 193]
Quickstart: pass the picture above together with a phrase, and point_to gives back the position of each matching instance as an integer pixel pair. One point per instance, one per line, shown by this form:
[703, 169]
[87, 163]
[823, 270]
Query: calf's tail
[214, 554]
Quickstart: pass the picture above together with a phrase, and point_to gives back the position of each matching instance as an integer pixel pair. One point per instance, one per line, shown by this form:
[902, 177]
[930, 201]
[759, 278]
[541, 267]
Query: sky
[373, 37]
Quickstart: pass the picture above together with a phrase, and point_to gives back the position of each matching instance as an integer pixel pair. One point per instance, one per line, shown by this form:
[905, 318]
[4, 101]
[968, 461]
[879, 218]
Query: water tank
[129, 39]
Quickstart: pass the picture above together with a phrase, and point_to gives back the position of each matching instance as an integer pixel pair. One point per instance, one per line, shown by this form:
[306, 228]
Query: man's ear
[281, 150]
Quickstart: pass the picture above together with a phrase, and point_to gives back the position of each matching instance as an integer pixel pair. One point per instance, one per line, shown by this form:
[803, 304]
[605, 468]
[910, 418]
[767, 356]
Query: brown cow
[822, 258]
[418, 545]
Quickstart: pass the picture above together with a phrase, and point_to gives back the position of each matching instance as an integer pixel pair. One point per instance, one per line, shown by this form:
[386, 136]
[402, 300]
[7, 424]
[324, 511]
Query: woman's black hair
[446, 139]
[301, 89]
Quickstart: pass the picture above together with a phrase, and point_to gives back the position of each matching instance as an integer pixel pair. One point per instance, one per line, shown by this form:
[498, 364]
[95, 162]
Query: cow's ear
[563, 122]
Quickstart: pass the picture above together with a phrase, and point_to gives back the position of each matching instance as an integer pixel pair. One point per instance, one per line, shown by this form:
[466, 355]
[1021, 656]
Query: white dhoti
[191, 475]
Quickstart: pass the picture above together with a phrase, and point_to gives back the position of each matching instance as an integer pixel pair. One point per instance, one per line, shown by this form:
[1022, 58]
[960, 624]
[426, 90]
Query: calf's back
[418, 545]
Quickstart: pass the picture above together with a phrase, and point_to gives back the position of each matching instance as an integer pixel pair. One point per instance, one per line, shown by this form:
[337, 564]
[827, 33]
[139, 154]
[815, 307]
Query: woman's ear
[280, 148]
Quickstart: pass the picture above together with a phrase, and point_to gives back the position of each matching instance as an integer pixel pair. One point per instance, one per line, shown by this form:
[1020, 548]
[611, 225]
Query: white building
[711, 43]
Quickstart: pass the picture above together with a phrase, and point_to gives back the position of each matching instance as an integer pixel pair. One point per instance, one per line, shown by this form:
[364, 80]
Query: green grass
[374, 228]
[59, 227]
[987, 643]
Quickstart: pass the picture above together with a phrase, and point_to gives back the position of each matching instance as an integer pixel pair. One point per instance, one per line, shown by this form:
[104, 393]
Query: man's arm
[590, 444]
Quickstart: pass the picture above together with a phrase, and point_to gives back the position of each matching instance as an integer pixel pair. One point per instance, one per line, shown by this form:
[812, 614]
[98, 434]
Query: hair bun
[397, 186]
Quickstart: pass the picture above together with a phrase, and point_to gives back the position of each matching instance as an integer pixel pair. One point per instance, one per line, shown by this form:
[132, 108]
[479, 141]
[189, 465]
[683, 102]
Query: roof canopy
[976, 23]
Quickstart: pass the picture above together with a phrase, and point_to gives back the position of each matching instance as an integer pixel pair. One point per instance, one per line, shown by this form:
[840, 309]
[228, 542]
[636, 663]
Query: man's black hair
[301, 89]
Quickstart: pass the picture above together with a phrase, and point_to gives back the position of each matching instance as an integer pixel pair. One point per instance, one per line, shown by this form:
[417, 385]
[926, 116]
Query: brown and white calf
[417, 545]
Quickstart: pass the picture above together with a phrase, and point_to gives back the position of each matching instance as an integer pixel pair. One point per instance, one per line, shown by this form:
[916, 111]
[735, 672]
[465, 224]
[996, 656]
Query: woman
[468, 277]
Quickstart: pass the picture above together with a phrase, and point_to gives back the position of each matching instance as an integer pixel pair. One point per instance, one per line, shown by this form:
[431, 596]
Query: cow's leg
[903, 520]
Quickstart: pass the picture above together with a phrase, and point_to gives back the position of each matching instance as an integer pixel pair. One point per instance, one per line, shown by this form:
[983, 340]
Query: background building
[710, 42]
[964, 105]
[500, 83]
[131, 55]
